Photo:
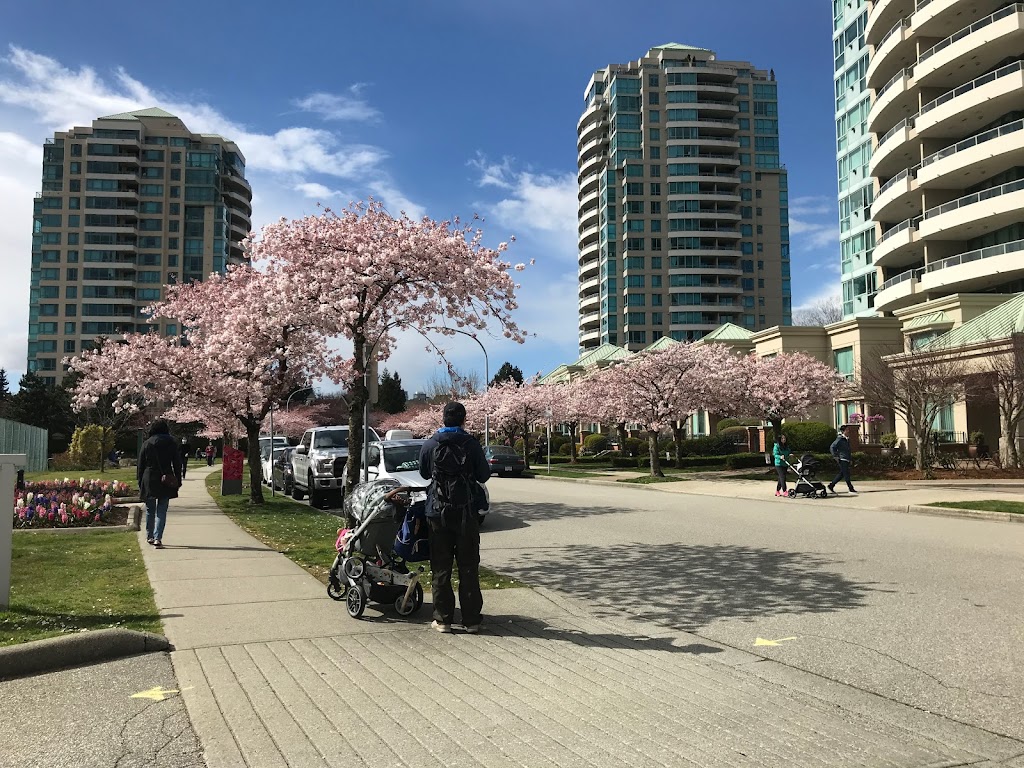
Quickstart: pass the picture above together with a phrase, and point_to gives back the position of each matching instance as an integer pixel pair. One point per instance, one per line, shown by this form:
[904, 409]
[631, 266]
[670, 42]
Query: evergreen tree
[507, 372]
[5, 386]
[391, 398]
[43, 405]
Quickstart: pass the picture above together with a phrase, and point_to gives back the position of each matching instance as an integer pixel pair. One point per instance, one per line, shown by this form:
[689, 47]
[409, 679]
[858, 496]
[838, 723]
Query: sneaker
[445, 629]
[473, 630]
[853, 492]
[158, 544]
[777, 493]
[150, 540]
[831, 489]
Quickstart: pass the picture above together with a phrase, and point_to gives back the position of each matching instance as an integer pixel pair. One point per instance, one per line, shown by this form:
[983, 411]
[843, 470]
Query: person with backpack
[454, 462]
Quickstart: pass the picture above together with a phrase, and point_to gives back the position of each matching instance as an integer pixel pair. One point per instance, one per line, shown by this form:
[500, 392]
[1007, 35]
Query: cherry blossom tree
[294, 421]
[249, 342]
[608, 403]
[367, 274]
[572, 403]
[787, 385]
[513, 408]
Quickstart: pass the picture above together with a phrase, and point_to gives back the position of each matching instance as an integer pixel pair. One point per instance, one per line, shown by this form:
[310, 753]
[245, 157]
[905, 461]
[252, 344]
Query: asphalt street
[924, 611]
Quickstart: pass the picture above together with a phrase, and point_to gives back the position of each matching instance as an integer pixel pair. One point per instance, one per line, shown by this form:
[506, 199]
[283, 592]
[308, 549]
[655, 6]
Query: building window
[843, 361]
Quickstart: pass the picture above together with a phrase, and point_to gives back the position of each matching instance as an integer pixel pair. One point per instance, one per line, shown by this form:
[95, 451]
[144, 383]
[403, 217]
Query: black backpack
[451, 477]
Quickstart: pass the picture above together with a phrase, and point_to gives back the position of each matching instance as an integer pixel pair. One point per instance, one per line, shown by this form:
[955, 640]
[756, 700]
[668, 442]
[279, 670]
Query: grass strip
[66, 583]
[987, 505]
[306, 535]
[647, 480]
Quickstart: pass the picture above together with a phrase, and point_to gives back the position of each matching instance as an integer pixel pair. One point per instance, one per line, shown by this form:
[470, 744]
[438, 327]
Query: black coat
[478, 466]
[160, 456]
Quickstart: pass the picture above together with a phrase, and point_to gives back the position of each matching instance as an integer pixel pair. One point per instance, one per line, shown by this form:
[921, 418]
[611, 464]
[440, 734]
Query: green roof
[661, 344]
[933, 318]
[604, 352]
[728, 332]
[1000, 322]
[151, 112]
[683, 47]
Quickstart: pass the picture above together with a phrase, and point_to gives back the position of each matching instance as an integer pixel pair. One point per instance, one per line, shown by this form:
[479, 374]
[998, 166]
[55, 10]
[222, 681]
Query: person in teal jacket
[781, 452]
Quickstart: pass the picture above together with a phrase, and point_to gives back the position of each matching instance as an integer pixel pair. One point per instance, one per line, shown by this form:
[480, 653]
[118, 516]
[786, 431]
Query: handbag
[169, 479]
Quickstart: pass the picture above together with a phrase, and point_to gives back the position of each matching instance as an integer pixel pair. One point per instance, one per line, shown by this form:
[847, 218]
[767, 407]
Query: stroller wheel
[414, 603]
[824, 493]
[353, 567]
[792, 493]
[355, 601]
[335, 591]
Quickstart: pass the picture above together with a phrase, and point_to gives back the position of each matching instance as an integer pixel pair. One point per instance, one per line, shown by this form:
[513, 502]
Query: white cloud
[332, 106]
[20, 171]
[315, 191]
[809, 236]
[814, 205]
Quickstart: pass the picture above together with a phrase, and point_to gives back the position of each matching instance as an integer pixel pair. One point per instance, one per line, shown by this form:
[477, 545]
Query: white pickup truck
[318, 462]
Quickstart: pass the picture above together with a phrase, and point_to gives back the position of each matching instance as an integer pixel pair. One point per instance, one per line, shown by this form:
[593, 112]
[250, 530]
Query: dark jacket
[160, 456]
[477, 462]
[840, 448]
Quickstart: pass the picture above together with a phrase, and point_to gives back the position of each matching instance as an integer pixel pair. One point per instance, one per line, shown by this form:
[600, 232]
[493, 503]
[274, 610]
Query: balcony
[592, 129]
[894, 101]
[977, 270]
[894, 51]
[590, 303]
[590, 320]
[898, 245]
[589, 339]
[973, 49]
[981, 100]
[587, 286]
[898, 291]
[590, 198]
[593, 164]
[589, 252]
[898, 198]
[896, 149]
[588, 183]
[976, 214]
[883, 14]
[232, 197]
[589, 235]
[980, 156]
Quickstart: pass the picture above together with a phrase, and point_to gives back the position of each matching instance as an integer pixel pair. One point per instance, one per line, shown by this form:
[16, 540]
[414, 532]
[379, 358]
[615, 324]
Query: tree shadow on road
[507, 515]
[690, 586]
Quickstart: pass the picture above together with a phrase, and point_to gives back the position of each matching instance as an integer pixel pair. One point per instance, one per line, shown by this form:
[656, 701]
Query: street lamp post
[487, 380]
[288, 402]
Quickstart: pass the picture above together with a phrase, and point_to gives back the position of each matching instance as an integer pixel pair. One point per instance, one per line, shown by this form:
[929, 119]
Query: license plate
[508, 469]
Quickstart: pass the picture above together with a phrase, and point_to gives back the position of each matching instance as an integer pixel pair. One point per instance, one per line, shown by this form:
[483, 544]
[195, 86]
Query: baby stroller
[806, 470]
[367, 567]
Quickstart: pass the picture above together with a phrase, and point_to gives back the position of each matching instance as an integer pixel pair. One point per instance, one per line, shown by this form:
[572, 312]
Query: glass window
[843, 361]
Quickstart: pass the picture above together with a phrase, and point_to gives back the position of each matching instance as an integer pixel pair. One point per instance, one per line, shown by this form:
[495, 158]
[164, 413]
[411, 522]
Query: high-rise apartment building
[948, 117]
[853, 155]
[683, 207]
[128, 205]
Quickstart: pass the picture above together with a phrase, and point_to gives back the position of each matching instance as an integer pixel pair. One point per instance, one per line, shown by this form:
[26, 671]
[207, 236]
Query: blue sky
[448, 107]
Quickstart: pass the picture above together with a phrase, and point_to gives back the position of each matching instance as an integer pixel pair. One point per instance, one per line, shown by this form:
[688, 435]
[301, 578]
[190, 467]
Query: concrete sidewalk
[274, 673]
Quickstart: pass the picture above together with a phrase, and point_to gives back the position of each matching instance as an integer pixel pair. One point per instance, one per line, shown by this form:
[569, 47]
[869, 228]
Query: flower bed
[69, 503]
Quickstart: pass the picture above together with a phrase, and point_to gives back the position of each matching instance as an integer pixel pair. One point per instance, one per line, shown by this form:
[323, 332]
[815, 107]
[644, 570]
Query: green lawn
[64, 583]
[121, 474]
[305, 535]
[1013, 507]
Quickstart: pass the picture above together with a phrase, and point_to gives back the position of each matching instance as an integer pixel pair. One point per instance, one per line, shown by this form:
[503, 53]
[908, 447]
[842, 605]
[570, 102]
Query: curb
[969, 514]
[911, 509]
[54, 653]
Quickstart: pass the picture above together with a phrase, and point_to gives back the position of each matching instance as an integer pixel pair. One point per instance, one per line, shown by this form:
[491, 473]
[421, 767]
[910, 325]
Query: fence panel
[16, 437]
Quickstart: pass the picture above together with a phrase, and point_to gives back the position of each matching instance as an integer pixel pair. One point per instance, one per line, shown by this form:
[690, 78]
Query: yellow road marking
[762, 641]
[156, 694]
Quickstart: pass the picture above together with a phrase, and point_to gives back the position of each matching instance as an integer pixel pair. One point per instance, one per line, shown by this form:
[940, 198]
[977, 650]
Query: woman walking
[159, 476]
[781, 452]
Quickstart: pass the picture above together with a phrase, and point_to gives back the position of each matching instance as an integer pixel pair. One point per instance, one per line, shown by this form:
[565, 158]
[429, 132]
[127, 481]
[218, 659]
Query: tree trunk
[572, 442]
[358, 397]
[776, 429]
[621, 428]
[920, 452]
[678, 434]
[652, 444]
[103, 456]
[1008, 441]
[252, 434]
[526, 442]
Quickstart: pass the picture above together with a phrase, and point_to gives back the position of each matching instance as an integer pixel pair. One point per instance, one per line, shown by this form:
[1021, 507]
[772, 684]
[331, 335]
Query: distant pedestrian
[455, 464]
[840, 450]
[210, 452]
[158, 473]
[781, 452]
[184, 457]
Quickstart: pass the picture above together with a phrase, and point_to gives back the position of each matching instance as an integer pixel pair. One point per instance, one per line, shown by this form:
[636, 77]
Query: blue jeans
[844, 474]
[156, 508]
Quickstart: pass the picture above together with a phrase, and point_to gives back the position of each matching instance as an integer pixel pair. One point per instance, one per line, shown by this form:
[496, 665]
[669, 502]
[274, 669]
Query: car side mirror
[301, 450]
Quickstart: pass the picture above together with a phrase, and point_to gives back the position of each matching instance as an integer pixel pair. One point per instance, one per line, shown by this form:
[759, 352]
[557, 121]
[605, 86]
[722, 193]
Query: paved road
[920, 610]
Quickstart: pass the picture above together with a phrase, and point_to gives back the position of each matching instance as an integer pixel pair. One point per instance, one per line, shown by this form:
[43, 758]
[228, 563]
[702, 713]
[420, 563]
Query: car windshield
[402, 458]
[332, 438]
[503, 451]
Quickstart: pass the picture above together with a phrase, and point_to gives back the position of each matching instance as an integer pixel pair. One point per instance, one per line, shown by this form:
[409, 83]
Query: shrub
[624, 462]
[634, 446]
[977, 438]
[711, 445]
[518, 446]
[565, 449]
[557, 441]
[809, 436]
[85, 445]
[595, 443]
[725, 424]
[745, 461]
[736, 435]
[889, 440]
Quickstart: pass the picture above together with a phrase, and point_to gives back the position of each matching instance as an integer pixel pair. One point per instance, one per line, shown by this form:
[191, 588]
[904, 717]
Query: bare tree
[917, 385]
[452, 383]
[1007, 374]
[821, 312]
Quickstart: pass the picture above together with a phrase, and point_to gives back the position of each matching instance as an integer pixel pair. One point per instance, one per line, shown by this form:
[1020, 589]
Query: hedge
[813, 436]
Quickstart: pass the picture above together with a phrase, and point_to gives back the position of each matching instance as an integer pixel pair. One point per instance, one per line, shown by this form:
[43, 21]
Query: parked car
[504, 460]
[267, 460]
[318, 462]
[400, 460]
[281, 471]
